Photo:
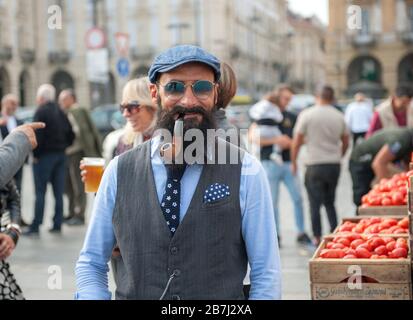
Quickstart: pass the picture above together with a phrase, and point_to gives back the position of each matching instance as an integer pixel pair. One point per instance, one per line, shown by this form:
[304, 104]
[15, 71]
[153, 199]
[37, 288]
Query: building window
[111, 23]
[132, 23]
[365, 21]
[410, 17]
[71, 30]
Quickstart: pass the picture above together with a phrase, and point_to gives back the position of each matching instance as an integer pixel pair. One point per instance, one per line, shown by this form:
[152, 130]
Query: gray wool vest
[207, 254]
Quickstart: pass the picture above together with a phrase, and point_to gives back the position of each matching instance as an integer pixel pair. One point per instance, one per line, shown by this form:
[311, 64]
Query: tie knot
[175, 172]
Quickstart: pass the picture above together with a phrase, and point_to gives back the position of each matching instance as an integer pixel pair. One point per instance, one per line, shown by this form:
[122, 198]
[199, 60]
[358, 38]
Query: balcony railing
[6, 53]
[363, 40]
[407, 37]
[27, 56]
[59, 57]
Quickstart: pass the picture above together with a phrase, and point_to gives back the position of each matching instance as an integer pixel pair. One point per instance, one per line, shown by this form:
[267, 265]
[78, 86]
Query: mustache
[180, 111]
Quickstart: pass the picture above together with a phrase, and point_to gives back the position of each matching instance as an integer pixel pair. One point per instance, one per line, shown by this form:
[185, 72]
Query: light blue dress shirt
[258, 228]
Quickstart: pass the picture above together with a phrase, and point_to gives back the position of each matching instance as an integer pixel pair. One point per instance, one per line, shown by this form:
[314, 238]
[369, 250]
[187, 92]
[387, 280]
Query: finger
[3, 250]
[8, 253]
[37, 125]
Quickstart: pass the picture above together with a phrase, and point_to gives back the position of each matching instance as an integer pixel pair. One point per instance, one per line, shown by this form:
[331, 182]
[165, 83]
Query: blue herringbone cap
[179, 55]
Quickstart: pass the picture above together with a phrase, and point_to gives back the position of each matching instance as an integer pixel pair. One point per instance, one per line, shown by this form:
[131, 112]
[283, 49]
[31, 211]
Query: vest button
[174, 250]
[176, 297]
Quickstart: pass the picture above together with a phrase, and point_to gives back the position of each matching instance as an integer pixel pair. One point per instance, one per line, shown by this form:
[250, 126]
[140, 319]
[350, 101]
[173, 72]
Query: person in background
[272, 116]
[9, 122]
[49, 159]
[87, 143]
[397, 111]
[358, 116]
[374, 157]
[323, 129]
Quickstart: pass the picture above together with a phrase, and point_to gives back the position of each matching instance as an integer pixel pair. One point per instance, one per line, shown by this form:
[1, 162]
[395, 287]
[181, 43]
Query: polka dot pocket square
[216, 192]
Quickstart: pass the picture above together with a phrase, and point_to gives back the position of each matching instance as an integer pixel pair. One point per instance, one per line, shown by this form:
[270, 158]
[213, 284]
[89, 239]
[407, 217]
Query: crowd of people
[191, 230]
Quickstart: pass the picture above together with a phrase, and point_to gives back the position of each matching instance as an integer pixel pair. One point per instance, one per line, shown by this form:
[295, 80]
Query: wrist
[13, 235]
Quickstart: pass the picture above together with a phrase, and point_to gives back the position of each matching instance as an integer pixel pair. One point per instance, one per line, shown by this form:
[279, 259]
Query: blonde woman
[140, 113]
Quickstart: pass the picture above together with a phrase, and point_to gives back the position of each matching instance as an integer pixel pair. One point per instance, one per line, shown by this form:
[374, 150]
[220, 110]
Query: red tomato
[386, 202]
[345, 242]
[391, 246]
[387, 240]
[359, 242]
[363, 253]
[392, 229]
[365, 246]
[404, 223]
[400, 231]
[350, 256]
[381, 250]
[398, 253]
[332, 254]
[365, 199]
[397, 198]
[374, 201]
[338, 246]
[383, 257]
[372, 229]
[375, 220]
[376, 242]
[390, 222]
[375, 256]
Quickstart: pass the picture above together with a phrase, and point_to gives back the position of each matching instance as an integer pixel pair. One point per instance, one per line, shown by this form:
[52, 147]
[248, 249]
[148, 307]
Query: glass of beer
[94, 168]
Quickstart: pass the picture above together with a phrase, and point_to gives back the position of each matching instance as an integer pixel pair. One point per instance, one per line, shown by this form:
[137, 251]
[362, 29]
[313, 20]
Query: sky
[310, 7]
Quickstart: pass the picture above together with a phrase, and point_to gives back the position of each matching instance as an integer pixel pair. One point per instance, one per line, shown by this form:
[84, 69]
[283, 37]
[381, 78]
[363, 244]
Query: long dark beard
[167, 118]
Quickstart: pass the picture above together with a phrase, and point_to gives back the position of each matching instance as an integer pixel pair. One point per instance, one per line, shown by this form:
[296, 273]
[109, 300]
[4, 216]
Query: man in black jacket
[49, 163]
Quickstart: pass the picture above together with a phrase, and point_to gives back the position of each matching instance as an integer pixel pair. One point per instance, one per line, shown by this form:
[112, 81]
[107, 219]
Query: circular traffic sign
[95, 38]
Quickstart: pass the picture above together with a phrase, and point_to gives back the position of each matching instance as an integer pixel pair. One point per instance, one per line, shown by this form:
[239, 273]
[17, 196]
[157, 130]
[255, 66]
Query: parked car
[237, 115]
[107, 118]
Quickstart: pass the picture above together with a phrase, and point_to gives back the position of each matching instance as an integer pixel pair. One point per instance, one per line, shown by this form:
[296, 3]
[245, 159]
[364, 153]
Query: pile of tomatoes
[376, 225]
[388, 192]
[357, 246]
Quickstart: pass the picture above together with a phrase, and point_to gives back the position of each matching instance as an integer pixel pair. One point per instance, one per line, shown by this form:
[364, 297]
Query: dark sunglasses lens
[175, 87]
[203, 87]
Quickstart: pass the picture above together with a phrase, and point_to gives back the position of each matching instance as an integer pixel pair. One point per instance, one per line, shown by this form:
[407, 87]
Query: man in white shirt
[358, 117]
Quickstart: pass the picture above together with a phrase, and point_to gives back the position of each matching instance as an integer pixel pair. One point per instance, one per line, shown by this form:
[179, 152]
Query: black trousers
[321, 183]
[358, 137]
[362, 175]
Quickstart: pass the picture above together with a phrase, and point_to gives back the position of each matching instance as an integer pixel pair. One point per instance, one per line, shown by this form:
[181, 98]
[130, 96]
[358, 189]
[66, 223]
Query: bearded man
[185, 229]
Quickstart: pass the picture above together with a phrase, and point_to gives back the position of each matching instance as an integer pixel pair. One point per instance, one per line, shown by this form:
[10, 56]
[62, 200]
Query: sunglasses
[175, 90]
[131, 106]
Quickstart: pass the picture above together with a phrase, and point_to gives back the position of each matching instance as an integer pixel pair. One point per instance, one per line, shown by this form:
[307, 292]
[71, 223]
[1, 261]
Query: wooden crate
[383, 211]
[389, 279]
[358, 218]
